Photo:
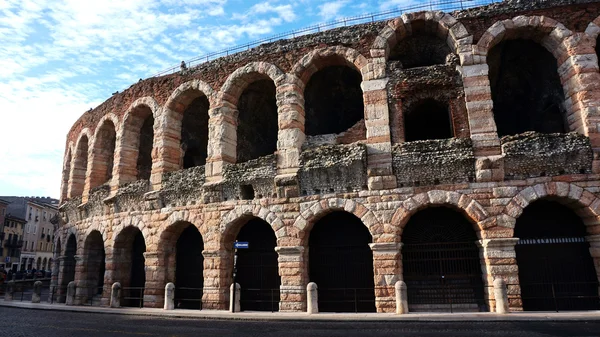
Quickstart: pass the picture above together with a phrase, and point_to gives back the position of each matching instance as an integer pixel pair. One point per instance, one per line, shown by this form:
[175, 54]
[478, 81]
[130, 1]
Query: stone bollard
[401, 298]
[10, 289]
[115, 295]
[36, 297]
[238, 291]
[70, 293]
[312, 296]
[501, 296]
[169, 296]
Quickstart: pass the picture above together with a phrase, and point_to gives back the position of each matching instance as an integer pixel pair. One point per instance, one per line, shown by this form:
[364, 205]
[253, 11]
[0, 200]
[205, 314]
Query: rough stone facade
[369, 171]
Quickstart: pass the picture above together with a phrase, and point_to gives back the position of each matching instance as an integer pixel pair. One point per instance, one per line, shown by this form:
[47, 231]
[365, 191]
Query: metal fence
[348, 299]
[443, 5]
[260, 299]
[560, 296]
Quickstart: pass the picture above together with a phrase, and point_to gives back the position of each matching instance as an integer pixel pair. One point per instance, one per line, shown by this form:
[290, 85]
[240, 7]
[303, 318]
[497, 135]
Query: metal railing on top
[443, 5]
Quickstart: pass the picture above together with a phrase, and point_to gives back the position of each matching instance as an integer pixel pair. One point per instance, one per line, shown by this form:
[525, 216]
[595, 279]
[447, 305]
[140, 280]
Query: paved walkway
[298, 316]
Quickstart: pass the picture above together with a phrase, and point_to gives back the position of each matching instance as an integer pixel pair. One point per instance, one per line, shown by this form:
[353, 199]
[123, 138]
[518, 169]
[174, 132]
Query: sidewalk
[299, 316]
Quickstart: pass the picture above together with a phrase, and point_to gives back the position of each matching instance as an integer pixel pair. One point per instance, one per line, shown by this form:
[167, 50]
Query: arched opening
[68, 266]
[257, 121]
[420, 49]
[104, 154]
[189, 269]
[526, 88]
[334, 102]
[129, 263]
[94, 255]
[341, 264]
[556, 270]
[257, 268]
[79, 168]
[44, 265]
[428, 119]
[194, 131]
[146, 142]
[441, 263]
[598, 47]
[38, 263]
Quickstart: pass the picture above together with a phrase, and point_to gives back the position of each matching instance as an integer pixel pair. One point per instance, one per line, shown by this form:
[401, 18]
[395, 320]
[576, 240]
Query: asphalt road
[27, 322]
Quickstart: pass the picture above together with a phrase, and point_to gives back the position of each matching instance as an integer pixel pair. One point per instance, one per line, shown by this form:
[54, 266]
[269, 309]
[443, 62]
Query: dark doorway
[333, 101]
[257, 128]
[341, 264]
[95, 266]
[194, 132]
[257, 268]
[441, 263]
[420, 50]
[68, 265]
[138, 273]
[144, 161]
[189, 277]
[556, 270]
[526, 89]
[428, 119]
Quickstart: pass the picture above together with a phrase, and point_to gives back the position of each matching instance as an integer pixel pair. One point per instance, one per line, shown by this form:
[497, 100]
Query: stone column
[37, 292]
[387, 269]
[499, 260]
[293, 272]
[486, 144]
[222, 140]
[166, 151]
[154, 287]
[594, 241]
[313, 298]
[234, 299]
[115, 295]
[377, 121]
[54, 279]
[169, 296]
[60, 291]
[71, 288]
[82, 290]
[218, 270]
[401, 298]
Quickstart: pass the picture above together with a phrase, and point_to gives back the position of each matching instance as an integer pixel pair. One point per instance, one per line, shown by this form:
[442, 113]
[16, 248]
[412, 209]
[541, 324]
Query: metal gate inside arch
[556, 270]
[441, 263]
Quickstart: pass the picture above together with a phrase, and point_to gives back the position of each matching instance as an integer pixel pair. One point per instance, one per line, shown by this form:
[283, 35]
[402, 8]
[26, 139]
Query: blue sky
[58, 58]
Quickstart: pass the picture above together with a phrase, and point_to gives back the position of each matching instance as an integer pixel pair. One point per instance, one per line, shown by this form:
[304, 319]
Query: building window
[34, 229]
[31, 245]
[28, 228]
[25, 245]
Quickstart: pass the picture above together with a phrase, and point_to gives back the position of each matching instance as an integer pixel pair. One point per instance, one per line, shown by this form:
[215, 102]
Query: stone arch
[63, 236]
[478, 216]
[183, 95]
[541, 29]
[102, 166]
[316, 210]
[132, 221]
[238, 81]
[66, 172]
[128, 139]
[79, 164]
[322, 57]
[442, 24]
[584, 203]
[232, 221]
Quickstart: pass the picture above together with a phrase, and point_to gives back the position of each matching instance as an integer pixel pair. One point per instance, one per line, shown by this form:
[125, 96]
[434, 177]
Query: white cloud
[330, 10]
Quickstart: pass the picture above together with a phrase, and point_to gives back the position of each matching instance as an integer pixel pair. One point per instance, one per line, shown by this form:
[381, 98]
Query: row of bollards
[500, 295]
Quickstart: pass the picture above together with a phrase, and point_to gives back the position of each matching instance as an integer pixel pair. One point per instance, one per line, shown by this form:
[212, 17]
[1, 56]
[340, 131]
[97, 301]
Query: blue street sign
[241, 245]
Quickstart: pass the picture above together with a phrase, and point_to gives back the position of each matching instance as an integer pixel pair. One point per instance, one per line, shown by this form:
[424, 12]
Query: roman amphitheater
[446, 150]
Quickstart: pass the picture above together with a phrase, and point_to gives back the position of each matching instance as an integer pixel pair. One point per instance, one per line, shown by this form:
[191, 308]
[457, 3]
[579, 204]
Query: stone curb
[259, 316]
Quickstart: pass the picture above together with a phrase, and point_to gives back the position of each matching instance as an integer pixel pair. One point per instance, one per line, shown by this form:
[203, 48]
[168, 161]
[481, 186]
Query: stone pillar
[60, 289]
[169, 296]
[54, 279]
[82, 291]
[154, 286]
[70, 293]
[10, 289]
[499, 260]
[37, 292]
[594, 241]
[501, 296]
[235, 307]
[115, 295]
[486, 144]
[222, 140]
[377, 121]
[401, 298]
[166, 151]
[387, 270]
[218, 266]
[292, 269]
[312, 292]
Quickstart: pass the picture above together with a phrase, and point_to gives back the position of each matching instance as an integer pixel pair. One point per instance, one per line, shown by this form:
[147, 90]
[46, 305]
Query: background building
[12, 242]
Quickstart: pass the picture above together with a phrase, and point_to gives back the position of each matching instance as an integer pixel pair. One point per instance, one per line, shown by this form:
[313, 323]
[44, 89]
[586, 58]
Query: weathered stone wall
[367, 170]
